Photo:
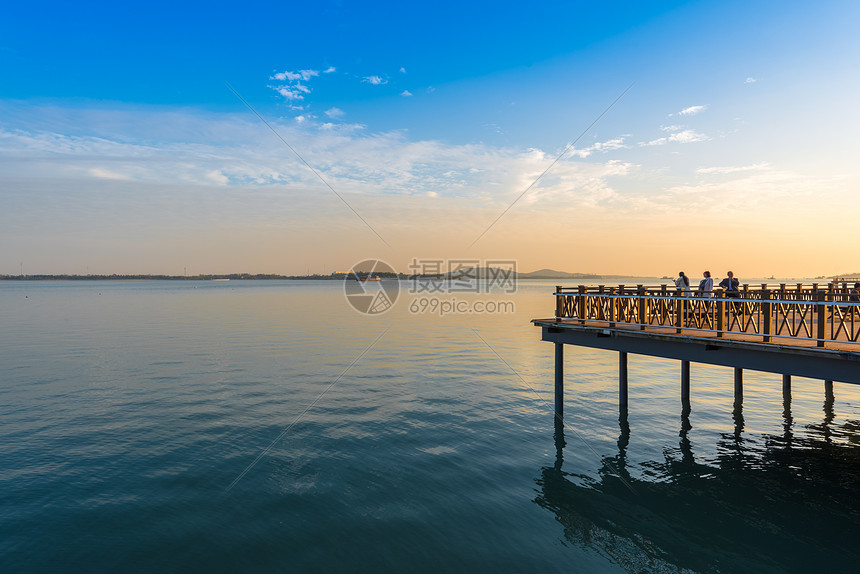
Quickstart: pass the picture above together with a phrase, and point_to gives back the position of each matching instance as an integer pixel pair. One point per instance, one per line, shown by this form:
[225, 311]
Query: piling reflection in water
[788, 502]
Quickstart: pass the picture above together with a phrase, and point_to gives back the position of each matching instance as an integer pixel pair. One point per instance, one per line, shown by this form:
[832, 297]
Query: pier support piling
[685, 382]
[739, 385]
[786, 388]
[828, 390]
[559, 379]
[622, 380]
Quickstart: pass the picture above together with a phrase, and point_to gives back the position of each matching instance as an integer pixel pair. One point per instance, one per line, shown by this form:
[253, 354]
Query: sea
[269, 426]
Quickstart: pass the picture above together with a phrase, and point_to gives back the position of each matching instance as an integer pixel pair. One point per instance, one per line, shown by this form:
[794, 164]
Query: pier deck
[802, 331]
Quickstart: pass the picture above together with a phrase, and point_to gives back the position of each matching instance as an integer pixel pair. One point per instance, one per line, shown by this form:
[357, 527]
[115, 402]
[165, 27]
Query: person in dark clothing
[730, 285]
[854, 294]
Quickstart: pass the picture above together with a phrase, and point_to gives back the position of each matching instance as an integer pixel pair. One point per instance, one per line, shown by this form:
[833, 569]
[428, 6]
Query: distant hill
[553, 274]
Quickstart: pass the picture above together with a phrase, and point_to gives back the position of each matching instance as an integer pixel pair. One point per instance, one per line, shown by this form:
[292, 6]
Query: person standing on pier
[706, 285]
[683, 283]
[730, 284]
[854, 294]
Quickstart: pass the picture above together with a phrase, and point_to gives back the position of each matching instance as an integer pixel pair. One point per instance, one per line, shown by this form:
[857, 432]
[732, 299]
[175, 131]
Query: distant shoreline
[272, 277]
[229, 276]
[333, 277]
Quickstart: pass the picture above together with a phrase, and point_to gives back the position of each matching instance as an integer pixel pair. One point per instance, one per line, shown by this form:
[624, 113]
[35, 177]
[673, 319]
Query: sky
[629, 138]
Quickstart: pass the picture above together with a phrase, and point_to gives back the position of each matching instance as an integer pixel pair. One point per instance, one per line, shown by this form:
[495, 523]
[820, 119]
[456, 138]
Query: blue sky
[123, 150]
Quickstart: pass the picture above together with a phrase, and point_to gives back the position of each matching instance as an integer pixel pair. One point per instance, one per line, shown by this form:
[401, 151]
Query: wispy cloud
[607, 146]
[750, 80]
[294, 76]
[406, 93]
[746, 189]
[402, 70]
[688, 136]
[733, 169]
[692, 110]
[375, 80]
[330, 70]
[684, 136]
[102, 173]
[242, 154]
[335, 113]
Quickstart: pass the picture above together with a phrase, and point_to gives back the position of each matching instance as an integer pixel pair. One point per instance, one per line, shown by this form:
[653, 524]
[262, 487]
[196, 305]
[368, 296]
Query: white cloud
[217, 176]
[751, 188]
[295, 76]
[609, 145]
[335, 113]
[688, 136]
[750, 80]
[330, 70]
[402, 70]
[733, 169]
[685, 136]
[406, 93]
[290, 94]
[375, 80]
[102, 173]
[672, 128]
[658, 141]
[237, 150]
[294, 89]
[692, 110]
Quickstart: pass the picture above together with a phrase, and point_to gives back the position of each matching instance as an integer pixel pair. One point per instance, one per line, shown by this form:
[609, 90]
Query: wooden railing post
[820, 314]
[718, 293]
[643, 308]
[765, 314]
[679, 315]
[663, 293]
[559, 303]
[583, 290]
[612, 307]
[601, 314]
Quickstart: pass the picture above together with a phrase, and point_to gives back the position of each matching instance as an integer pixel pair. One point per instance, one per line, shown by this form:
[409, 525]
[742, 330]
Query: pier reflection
[783, 502]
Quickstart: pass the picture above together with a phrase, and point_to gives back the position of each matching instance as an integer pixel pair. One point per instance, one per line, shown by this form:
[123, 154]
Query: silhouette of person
[730, 285]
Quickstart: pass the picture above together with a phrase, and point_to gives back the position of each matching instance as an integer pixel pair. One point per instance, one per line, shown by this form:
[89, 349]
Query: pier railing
[775, 314]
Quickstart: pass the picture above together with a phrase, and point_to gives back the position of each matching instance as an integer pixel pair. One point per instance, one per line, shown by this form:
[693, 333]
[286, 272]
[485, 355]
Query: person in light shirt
[683, 283]
[706, 285]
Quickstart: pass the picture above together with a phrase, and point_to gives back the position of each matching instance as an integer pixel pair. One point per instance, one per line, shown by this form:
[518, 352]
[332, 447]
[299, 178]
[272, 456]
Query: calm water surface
[128, 409]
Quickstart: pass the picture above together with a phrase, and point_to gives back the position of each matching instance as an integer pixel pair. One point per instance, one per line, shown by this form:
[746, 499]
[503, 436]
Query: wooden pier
[808, 331]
